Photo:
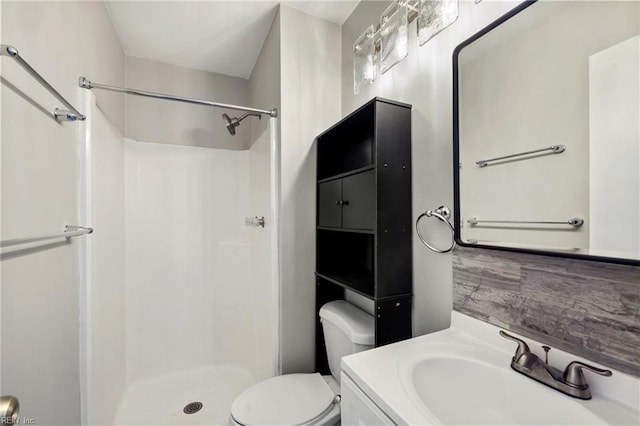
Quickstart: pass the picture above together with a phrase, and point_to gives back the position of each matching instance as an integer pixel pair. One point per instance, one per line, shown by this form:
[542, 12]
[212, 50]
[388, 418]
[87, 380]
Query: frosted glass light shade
[434, 16]
[393, 35]
[364, 64]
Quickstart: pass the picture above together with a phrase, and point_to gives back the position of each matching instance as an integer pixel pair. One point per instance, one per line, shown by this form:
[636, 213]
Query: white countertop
[383, 373]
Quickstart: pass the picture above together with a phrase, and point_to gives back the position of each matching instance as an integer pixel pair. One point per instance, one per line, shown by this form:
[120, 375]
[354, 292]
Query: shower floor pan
[165, 400]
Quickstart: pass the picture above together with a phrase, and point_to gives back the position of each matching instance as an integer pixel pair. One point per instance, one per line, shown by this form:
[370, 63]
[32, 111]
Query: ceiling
[336, 11]
[218, 36]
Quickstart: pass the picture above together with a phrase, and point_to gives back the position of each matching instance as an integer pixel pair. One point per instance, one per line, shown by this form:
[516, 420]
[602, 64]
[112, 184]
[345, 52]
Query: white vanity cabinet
[357, 408]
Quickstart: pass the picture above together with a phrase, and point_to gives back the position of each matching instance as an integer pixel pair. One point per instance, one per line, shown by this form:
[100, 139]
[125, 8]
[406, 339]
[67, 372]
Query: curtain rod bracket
[84, 83]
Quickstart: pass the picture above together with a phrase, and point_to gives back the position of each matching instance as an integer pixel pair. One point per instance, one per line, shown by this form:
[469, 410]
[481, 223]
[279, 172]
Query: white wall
[614, 163]
[179, 123]
[102, 313]
[40, 287]
[1, 219]
[264, 84]
[264, 255]
[310, 82]
[191, 300]
[264, 92]
[423, 79]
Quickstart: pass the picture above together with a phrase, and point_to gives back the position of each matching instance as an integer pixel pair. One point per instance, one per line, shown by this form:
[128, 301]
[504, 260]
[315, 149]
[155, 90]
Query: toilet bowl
[308, 399]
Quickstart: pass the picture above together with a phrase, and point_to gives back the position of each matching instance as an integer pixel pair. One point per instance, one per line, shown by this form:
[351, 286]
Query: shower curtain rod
[86, 84]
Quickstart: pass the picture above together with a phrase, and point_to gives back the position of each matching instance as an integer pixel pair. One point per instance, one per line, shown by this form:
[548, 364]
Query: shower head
[232, 123]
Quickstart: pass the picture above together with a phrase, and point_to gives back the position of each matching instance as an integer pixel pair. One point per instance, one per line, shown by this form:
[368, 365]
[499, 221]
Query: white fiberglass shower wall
[197, 306]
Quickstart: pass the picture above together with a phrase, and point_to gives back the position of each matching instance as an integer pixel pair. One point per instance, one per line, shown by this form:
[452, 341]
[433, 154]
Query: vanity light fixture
[394, 40]
[435, 16]
[380, 48]
[364, 60]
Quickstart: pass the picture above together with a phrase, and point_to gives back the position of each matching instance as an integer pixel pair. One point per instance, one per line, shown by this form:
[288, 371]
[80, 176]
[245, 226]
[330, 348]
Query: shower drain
[192, 407]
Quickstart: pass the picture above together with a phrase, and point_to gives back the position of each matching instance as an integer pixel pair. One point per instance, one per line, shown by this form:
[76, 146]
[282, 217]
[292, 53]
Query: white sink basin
[462, 376]
[462, 391]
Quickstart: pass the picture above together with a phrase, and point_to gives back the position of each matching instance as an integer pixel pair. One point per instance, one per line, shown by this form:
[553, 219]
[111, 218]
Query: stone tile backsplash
[588, 308]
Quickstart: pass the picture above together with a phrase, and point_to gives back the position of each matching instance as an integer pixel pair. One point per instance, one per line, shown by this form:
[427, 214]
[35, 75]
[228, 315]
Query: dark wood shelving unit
[363, 234]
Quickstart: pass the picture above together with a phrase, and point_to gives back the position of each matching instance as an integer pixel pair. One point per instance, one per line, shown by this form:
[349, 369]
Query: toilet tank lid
[355, 323]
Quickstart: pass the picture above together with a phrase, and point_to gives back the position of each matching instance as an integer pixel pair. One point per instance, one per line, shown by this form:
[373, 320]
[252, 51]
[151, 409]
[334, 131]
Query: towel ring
[441, 213]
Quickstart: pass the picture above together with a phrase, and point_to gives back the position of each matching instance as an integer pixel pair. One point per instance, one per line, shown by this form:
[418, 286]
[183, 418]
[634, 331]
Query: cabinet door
[359, 201]
[357, 408]
[330, 203]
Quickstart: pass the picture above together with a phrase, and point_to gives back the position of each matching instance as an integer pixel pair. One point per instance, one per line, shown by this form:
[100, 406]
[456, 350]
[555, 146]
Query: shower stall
[180, 301]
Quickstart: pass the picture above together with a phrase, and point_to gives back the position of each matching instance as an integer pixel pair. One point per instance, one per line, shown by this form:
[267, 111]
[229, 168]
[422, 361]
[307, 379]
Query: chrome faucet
[571, 382]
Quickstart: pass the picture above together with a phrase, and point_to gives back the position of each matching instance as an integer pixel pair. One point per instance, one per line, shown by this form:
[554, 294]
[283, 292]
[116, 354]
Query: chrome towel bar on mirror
[443, 214]
[555, 149]
[576, 222]
[59, 114]
[69, 231]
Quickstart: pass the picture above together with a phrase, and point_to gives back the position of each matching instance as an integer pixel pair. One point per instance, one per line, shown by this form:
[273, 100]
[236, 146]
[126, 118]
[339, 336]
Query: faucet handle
[573, 375]
[523, 348]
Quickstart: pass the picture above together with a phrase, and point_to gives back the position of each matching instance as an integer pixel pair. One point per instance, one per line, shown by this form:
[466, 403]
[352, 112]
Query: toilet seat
[291, 399]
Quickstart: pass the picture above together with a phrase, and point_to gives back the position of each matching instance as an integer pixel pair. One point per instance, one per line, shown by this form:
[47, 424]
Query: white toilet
[309, 399]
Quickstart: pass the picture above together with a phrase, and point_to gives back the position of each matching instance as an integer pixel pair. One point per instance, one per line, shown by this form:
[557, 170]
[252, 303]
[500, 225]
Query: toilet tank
[347, 330]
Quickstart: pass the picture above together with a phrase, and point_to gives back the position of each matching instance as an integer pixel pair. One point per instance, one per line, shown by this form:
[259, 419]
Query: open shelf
[350, 283]
[347, 258]
[345, 148]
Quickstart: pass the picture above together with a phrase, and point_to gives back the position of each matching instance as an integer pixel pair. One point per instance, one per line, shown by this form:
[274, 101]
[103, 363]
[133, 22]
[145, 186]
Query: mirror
[547, 131]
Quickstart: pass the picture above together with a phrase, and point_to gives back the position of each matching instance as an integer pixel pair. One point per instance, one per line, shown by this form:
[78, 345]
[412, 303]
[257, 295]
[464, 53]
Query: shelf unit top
[354, 113]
